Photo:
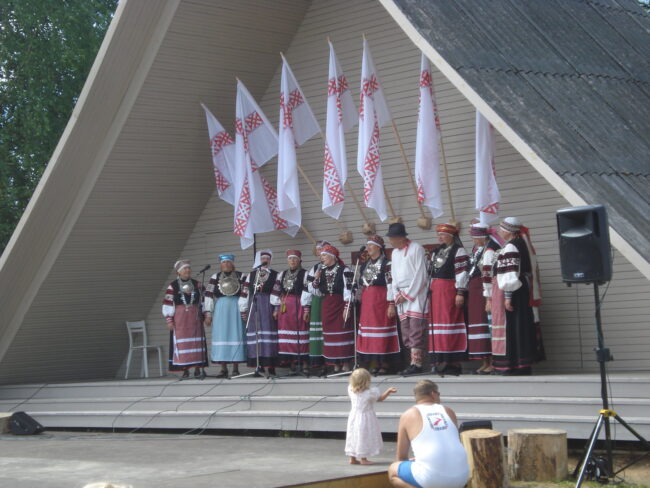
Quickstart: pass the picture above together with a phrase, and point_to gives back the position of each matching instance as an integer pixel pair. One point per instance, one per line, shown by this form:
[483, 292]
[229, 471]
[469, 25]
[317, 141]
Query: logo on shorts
[437, 421]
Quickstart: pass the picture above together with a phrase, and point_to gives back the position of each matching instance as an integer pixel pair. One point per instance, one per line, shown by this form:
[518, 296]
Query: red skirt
[188, 339]
[293, 331]
[377, 333]
[447, 331]
[478, 329]
[338, 339]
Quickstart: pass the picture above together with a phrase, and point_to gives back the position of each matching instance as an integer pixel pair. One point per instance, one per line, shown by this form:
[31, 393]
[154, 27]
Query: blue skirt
[228, 334]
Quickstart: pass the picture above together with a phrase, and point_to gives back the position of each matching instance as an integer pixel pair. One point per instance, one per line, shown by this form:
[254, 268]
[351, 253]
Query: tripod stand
[603, 356]
[258, 369]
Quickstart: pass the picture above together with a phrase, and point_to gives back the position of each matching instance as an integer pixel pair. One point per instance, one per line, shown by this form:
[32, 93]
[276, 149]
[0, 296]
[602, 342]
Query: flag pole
[368, 227]
[444, 158]
[423, 222]
[346, 236]
[308, 234]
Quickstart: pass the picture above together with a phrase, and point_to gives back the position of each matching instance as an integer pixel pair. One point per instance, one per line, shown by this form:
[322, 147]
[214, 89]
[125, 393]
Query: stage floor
[565, 401]
[70, 460]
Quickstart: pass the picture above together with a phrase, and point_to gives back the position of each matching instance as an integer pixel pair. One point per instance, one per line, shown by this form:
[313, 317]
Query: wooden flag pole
[423, 222]
[444, 158]
[308, 234]
[345, 236]
[369, 227]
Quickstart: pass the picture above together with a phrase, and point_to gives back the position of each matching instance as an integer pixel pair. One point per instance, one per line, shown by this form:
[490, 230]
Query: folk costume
[409, 281]
[516, 339]
[221, 305]
[377, 339]
[480, 270]
[255, 300]
[293, 330]
[182, 311]
[447, 329]
[334, 284]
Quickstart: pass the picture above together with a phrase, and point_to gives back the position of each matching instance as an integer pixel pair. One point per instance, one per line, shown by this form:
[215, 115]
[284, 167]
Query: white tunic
[409, 270]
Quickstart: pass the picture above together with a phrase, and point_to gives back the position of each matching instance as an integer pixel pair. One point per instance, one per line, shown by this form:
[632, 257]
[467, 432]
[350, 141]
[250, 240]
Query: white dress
[363, 436]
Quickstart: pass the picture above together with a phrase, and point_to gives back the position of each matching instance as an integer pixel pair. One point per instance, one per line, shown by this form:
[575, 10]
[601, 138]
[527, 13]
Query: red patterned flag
[427, 158]
[487, 192]
[256, 142]
[340, 117]
[222, 147]
[297, 125]
[373, 114]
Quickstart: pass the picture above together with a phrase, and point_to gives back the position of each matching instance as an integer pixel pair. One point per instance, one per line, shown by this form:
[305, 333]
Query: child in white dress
[363, 436]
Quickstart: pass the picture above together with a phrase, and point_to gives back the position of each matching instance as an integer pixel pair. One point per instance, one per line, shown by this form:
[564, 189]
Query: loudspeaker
[22, 424]
[585, 251]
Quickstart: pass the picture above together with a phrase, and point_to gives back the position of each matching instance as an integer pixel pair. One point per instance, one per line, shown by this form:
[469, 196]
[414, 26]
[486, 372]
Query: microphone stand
[354, 324]
[257, 333]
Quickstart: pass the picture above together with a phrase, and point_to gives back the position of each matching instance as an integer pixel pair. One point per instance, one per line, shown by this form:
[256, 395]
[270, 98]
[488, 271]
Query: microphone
[205, 268]
[363, 248]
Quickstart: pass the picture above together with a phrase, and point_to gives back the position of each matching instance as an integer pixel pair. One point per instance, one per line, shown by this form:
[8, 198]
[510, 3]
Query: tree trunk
[485, 457]
[537, 454]
[4, 422]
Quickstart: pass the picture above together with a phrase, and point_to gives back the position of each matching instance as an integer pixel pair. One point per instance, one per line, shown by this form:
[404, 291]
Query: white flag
[255, 200]
[297, 125]
[373, 114]
[427, 157]
[487, 192]
[341, 116]
[222, 146]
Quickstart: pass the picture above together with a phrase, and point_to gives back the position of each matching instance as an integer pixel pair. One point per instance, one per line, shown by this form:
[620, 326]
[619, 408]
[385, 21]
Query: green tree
[46, 50]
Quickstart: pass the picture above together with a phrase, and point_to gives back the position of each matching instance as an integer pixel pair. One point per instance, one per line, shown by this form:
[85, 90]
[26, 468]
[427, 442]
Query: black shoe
[186, 374]
[453, 369]
[412, 370]
[259, 372]
[235, 372]
[439, 369]
[199, 374]
[224, 373]
[270, 372]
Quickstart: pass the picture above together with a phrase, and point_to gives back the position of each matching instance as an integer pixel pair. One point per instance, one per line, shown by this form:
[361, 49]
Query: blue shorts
[404, 473]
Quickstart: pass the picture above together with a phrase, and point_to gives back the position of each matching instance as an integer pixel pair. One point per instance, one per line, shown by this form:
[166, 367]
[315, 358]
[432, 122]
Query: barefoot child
[363, 436]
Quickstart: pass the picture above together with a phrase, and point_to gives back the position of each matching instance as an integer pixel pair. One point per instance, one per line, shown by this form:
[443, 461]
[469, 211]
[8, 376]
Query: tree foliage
[46, 50]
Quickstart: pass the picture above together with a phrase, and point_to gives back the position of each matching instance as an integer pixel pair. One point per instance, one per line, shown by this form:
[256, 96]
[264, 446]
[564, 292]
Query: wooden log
[485, 456]
[4, 422]
[537, 454]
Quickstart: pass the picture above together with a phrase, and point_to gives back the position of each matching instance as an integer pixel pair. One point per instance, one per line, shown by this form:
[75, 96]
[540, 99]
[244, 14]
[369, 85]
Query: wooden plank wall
[567, 313]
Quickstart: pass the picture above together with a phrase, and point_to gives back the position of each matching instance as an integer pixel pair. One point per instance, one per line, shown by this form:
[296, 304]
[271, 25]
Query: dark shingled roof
[571, 78]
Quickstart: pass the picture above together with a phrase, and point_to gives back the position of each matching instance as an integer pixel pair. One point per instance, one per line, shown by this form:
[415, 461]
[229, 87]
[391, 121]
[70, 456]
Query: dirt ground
[637, 476]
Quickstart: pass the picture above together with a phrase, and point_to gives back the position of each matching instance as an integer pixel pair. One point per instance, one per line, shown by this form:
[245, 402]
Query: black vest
[381, 277]
[298, 285]
[446, 271]
[193, 298]
[267, 287]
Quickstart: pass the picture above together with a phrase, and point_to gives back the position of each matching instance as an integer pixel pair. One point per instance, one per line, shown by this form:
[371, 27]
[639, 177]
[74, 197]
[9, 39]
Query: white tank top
[440, 459]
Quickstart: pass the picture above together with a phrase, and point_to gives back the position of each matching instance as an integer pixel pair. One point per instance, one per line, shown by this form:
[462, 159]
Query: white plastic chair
[135, 328]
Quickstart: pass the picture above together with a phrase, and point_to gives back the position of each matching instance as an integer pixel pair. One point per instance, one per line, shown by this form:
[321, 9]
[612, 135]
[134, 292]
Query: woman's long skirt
[315, 332]
[447, 330]
[293, 331]
[478, 327]
[187, 344]
[338, 338]
[262, 333]
[228, 335]
[514, 334]
[378, 338]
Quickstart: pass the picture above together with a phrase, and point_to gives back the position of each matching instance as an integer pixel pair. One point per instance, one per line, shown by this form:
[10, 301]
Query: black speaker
[585, 252]
[22, 424]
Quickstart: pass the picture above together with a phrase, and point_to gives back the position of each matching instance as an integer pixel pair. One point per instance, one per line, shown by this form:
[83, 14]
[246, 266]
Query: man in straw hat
[409, 286]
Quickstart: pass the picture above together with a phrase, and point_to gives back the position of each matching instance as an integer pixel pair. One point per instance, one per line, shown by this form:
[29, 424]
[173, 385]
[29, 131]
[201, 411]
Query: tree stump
[4, 422]
[537, 454]
[487, 467]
